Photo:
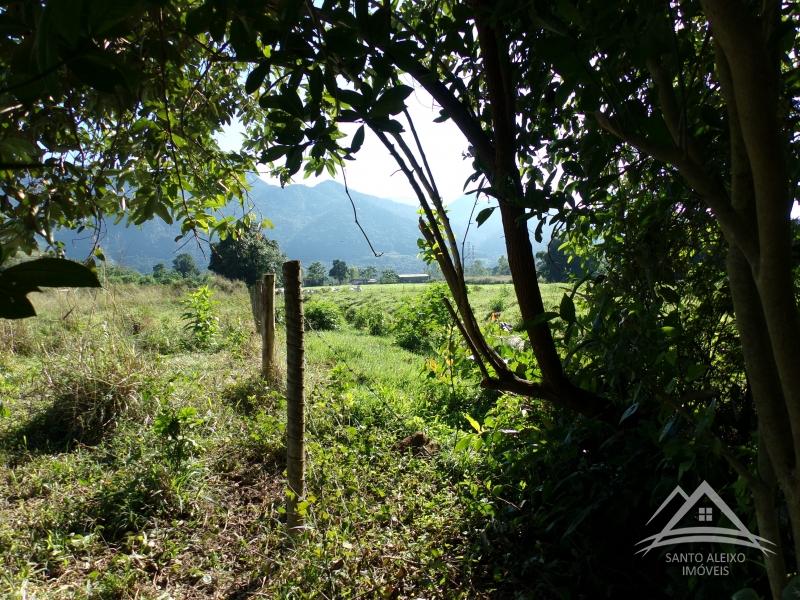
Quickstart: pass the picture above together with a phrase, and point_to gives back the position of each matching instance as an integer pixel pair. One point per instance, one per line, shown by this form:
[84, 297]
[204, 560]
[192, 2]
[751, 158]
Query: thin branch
[466, 231]
[355, 215]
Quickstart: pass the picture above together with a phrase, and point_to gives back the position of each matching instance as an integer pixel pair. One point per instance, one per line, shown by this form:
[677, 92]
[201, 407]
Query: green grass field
[135, 465]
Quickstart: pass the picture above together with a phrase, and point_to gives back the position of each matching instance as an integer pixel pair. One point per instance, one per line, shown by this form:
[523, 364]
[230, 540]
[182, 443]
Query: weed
[235, 337]
[90, 389]
[200, 316]
[250, 394]
[175, 428]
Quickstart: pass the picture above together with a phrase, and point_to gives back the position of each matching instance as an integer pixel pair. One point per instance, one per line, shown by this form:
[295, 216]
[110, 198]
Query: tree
[502, 266]
[478, 268]
[623, 101]
[184, 264]
[73, 81]
[604, 93]
[554, 264]
[246, 257]
[369, 273]
[353, 273]
[159, 270]
[315, 275]
[389, 276]
[338, 271]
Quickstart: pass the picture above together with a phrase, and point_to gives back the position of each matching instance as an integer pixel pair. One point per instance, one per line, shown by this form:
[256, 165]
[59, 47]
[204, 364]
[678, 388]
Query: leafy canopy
[247, 257]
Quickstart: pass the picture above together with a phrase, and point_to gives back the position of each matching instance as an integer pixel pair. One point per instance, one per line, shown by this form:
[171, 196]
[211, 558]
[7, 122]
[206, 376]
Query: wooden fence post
[295, 392]
[268, 327]
[256, 297]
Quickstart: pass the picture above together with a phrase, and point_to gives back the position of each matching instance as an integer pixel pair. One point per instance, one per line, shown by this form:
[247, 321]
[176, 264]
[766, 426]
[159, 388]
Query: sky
[374, 170]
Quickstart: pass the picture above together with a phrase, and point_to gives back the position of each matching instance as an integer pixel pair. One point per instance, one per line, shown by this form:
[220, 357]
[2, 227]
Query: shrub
[420, 322]
[236, 337]
[200, 316]
[498, 303]
[163, 337]
[323, 315]
[371, 318]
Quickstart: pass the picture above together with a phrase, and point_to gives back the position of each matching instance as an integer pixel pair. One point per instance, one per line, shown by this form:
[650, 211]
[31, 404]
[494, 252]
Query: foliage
[339, 270]
[477, 267]
[380, 517]
[420, 322]
[200, 316]
[176, 428]
[323, 315]
[502, 267]
[90, 389]
[246, 257]
[19, 280]
[556, 265]
[389, 276]
[185, 266]
[369, 317]
[73, 80]
[315, 274]
[624, 123]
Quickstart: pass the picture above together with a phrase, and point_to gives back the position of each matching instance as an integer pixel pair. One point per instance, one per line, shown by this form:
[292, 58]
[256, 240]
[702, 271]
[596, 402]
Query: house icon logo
[701, 506]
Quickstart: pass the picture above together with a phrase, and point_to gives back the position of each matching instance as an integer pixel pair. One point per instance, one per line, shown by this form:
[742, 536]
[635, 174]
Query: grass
[133, 465]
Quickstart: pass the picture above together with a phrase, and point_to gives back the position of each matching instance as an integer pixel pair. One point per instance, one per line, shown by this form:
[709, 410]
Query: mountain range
[310, 224]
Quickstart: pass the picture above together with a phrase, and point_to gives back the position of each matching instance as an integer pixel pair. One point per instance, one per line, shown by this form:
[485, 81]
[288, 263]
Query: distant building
[362, 281]
[414, 278]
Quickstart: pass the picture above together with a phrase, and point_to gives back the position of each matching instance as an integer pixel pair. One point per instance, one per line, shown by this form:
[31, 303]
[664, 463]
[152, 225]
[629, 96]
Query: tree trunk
[505, 179]
[765, 500]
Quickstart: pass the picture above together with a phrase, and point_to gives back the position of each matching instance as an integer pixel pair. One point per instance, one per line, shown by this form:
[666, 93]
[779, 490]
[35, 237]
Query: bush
[323, 315]
[370, 318]
[421, 321]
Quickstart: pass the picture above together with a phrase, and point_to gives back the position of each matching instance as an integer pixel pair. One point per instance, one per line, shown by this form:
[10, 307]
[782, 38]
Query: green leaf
[544, 317]
[475, 425]
[18, 281]
[51, 272]
[15, 306]
[352, 98]
[629, 412]
[273, 153]
[484, 214]
[358, 140]
[256, 77]
[391, 101]
[567, 309]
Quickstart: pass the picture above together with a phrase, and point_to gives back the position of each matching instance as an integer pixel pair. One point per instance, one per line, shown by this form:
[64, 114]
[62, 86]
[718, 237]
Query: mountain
[310, 223]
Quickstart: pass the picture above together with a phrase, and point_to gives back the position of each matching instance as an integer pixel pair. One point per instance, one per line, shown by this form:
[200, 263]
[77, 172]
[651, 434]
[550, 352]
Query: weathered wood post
[256, 297]
[295, 392]
[268, 371]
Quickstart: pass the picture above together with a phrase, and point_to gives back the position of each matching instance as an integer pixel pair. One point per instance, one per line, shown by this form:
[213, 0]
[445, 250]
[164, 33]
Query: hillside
[310, 223]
